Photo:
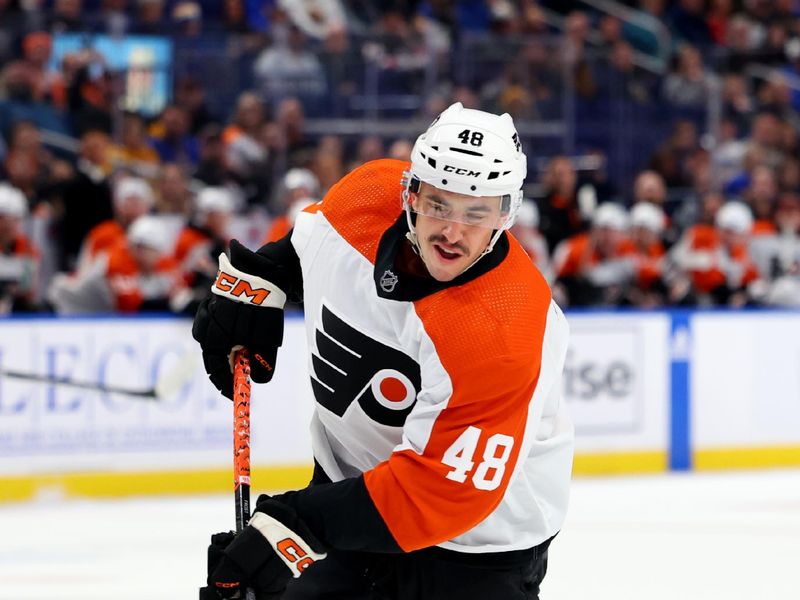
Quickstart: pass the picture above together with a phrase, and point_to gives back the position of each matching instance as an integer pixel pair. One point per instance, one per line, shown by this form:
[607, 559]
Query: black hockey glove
[244, 310]
[272, 549]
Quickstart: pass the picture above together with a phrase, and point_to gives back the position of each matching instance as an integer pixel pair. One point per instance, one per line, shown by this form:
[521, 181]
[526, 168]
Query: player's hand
[275, 547]
[244, 310]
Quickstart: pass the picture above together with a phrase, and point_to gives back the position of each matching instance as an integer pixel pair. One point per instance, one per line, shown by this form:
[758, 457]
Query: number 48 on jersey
[490, 471]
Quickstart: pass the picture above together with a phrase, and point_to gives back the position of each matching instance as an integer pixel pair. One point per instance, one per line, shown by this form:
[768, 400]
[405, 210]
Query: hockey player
[443, 451]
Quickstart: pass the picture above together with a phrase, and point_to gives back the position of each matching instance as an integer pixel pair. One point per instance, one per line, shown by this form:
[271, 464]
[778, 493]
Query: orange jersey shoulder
[365, 203]
[104, 236]
[188, 238]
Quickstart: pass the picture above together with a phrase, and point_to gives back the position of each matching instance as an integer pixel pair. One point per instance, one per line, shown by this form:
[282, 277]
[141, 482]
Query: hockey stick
[241, 442]
[169, 383]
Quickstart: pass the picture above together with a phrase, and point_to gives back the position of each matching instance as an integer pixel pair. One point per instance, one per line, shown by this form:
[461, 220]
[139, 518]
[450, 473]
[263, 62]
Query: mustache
[441, 239]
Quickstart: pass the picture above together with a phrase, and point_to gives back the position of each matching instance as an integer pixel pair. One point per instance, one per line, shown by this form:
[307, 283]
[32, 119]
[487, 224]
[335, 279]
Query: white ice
[732, 536]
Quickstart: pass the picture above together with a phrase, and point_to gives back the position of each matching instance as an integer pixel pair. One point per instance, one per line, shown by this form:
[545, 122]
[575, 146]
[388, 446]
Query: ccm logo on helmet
[462, 171]
[239, 287]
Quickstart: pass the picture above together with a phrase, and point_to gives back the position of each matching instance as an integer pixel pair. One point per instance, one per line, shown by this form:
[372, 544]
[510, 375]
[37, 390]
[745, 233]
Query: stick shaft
[84, 385]
[241, 442]
[241, 437]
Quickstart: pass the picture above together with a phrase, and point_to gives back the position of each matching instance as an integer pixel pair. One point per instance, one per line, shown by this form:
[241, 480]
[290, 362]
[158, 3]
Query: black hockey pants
[430, 574]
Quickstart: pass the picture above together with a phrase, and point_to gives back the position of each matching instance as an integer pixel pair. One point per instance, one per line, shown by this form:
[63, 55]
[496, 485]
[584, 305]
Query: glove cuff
[236, 285]
[293, 550]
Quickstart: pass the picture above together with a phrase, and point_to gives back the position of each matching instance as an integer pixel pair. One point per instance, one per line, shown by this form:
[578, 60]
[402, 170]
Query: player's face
[453, 229]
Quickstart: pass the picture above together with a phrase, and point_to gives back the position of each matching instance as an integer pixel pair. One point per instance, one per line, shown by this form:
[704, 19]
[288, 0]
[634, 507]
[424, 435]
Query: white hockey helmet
[648, 216]
[301, 178]
[133, 187]
[12, 202]
[469, 152]
[213, 199]
[734, 216]
[149, 231]
[611, 215]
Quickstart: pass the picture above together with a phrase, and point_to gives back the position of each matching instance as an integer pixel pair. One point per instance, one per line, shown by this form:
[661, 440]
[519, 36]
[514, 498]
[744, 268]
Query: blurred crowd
[679, 188]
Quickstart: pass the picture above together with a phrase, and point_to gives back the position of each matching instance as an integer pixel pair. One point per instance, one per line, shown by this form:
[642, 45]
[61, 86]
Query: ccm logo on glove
[243, 287]
[293, 550]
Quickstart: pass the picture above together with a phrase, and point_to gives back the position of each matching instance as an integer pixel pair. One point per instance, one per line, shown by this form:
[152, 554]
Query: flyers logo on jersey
[350, 366]
[240, 289]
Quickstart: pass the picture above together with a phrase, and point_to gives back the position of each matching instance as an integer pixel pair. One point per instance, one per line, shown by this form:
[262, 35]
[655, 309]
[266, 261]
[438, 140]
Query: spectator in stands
[212, 168]
[340, 62]
[716, 259]
[647, 229]
[778, 255]
[717, 17]
[135, 276]
[400, 150]
[187, 18]
[171, 137]
[597, 267]
[689, 85]
[113, 17]
[301, 189]
[191, 95]
[620, 78]
[86, 198]
[26, 162]
[19, 258]
[328, 161]
[760, 196]
[132, 199]
[89, 91]
[200, 243]
[560, 213]
[48, 86]
[290, 119]
[649, 187]
[65, 16]
[173, 196]
[150, 18]
[134, 152]
[19, 103]
[289, 68]
[245, 154]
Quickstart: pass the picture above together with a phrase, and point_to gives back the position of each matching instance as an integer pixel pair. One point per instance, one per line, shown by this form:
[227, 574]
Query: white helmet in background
[213, 199]
[734, 216]
[470, 152]
[648, 216]
[611, 215]
[133, 187]
[12, 202]
[528, 214]
[149, 231]
[301, 178]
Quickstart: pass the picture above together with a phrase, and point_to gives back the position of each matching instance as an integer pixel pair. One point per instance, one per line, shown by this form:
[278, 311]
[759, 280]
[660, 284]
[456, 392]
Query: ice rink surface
[697, 536]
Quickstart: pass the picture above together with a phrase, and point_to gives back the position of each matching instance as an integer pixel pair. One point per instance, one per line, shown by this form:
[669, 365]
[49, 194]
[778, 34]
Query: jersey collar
[394, 284]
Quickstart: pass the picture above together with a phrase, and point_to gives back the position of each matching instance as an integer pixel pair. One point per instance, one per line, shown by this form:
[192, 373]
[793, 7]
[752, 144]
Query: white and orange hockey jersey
[443, 400]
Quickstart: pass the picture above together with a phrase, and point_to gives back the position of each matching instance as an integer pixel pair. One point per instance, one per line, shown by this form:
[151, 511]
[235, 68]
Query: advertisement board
[617, 387]
[52, 428]
[745, 388]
